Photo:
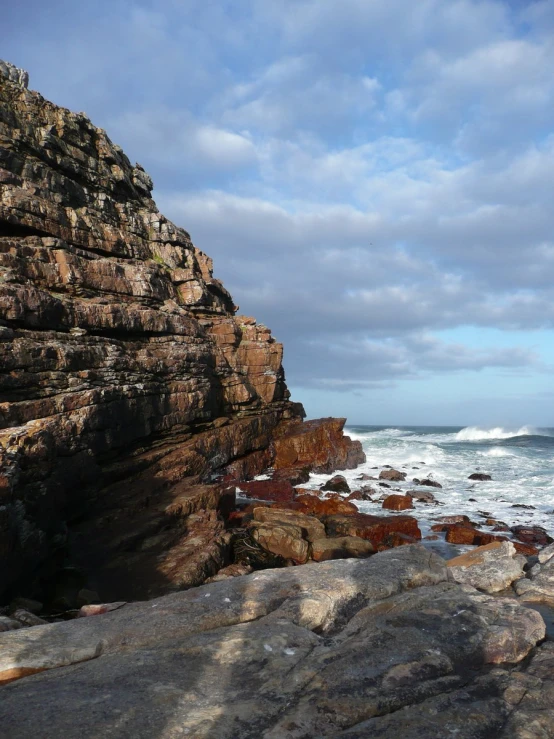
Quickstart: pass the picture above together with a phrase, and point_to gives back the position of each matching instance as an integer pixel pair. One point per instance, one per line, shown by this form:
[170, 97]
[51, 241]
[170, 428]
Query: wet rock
[523, 505]
[453, 519]
[393, 475]
[421, 497]
[398, 502]
[340, 547]
[364, 494]
[430, 483]
[479, 476]
[336, 484]
[491, 568]
[294, 475]
[532, 535]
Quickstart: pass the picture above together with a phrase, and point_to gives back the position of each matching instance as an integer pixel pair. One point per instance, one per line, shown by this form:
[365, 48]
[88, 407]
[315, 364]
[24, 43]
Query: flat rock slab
[303, 652]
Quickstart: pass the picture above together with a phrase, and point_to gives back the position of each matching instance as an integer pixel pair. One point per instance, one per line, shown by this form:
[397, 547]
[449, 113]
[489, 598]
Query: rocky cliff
[123, 367]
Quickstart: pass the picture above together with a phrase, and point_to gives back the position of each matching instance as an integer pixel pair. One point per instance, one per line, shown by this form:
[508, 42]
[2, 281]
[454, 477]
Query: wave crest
[474, 433]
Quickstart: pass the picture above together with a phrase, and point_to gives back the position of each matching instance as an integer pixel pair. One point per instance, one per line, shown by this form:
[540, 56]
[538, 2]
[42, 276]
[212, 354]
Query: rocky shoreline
[164, 568]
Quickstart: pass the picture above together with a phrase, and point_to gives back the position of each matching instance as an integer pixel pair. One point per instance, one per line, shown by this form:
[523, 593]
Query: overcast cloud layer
[373, 179]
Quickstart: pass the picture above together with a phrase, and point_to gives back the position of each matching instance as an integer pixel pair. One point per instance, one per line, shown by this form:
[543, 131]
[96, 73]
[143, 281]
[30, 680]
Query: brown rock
[430, 483]
[398, 502]
[393, 475]
[532, 535]
[336, 484]
[283, 540]
[310, 526]
[479, 476]
[340, 547]
[317, 445]
[361, 494]
[372, 528]
[313, 504]
[277, 490]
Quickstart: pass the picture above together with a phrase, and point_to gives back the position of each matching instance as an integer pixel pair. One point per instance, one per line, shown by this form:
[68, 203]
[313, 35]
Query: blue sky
[373, 179]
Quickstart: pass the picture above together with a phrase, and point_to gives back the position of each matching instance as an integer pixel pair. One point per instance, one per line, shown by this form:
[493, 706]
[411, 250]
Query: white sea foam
[474, 433]
[497, 451]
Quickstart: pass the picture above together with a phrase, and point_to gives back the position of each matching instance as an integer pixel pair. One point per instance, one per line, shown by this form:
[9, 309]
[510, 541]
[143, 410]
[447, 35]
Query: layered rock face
[120, 354]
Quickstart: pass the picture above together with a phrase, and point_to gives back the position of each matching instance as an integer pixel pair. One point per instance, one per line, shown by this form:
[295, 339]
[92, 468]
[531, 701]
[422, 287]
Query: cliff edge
[122, 363]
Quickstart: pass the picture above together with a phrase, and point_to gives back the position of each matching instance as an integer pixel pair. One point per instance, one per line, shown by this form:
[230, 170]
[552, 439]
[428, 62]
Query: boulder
[398, 502]
[430, 483]
[340, 547]
[284, 540]
[375, 529]
[313, 504]
[336, 484]
[546, 553]
[364, 494]
[479, 476]
[532, 535]
[491, 568]
[310, 526]
[538, 586]
[422, 497]
[393, 475]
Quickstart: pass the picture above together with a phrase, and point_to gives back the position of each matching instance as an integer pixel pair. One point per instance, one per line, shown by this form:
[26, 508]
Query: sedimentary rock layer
[120, 353]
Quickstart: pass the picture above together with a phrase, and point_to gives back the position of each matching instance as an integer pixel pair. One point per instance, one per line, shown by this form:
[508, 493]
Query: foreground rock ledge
[383, 647]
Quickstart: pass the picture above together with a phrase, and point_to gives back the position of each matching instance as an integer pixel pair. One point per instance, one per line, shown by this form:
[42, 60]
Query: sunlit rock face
[119, 351]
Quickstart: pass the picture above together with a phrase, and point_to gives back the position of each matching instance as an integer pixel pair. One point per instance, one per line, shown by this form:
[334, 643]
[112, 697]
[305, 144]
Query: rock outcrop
[124, 369]
[384, 647]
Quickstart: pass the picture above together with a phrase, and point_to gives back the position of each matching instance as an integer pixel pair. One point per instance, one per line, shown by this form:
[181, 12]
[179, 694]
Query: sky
[373, 179]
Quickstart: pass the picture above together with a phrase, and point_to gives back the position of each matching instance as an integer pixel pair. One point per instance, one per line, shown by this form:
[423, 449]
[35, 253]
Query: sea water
[520, 462]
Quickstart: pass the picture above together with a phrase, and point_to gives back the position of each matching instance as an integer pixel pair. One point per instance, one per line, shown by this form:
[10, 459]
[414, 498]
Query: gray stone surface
[303, 652]
[491, 568]
[539, 584]
[14, 74]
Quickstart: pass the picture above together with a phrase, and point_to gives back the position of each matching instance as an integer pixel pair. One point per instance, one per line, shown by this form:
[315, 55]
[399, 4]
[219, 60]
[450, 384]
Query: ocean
[520, 462]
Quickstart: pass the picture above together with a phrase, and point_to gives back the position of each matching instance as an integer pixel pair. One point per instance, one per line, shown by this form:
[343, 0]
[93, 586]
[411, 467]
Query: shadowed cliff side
[121, 357]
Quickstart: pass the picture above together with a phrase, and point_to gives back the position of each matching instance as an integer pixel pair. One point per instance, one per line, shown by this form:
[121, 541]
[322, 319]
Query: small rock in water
[479, 476]
[523, 505]
[337, 484]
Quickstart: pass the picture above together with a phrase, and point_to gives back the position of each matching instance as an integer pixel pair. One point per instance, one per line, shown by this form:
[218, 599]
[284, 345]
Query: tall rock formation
[119, 351]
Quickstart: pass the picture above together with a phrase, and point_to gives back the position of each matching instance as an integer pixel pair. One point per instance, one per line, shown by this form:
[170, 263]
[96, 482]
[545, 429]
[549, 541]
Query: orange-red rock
[373, 528]
[313, 504]
[278, 490]
[318, 445]
[398, 502]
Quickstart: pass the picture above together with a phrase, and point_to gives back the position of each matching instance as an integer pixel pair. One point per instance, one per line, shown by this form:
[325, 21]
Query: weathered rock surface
[379, 647]
[319, 445]
[398, 502]
[539, 584]
[337, 484]
[491, 568]
[375, 529]
[393, 475]
[124, 369]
